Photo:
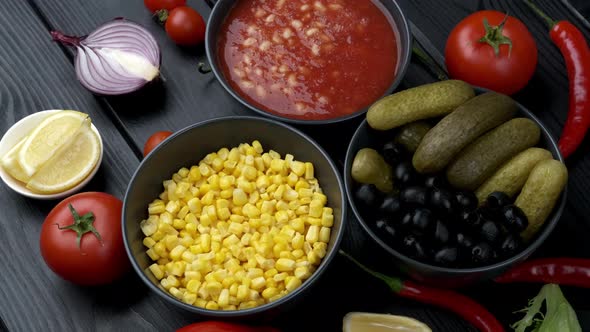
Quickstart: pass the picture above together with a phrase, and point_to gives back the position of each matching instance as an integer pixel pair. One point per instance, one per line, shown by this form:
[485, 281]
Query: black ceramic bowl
[401, 29]
[187, 147]
[442, 276]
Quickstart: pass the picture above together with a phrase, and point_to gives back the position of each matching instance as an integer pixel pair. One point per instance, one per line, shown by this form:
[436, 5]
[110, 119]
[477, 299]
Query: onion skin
[105, 75]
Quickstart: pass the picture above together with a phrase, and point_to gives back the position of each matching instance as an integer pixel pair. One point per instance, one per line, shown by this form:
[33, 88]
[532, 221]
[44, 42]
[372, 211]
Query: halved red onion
[117, 58]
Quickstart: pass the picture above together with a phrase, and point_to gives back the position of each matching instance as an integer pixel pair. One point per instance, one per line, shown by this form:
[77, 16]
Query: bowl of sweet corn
[234, 216]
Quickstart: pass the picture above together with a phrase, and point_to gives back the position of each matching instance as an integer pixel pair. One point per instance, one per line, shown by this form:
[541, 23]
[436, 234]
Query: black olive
[442, 201]
[413, 247]
[384, 226]
[441, 232]
[447, 255]
[471, 219]
[404, 173]
[422, 219]
[390, 205]
[413, 195]
[481, 253]
[511, 244]
[497, 200]
[435, 181]
[465, 241]
[514, 219]
[392, 152]
[406, 220]
[490, 231]
[466, 200]
[488, 213]
[367, 194]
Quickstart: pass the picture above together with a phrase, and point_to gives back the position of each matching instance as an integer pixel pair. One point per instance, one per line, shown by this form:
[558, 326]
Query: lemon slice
[48, 137]
[366, 322]
[11, 165]
[69, 166]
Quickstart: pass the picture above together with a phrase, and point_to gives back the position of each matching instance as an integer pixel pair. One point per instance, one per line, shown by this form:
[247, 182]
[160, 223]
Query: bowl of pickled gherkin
[456, 183]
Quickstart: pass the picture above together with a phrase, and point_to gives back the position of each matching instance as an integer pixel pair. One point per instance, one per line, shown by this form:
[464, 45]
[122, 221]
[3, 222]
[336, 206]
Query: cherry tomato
[155, 5]
[185, 26]
[82, 241]
[154, 140]
[215, 326]
[478, 51]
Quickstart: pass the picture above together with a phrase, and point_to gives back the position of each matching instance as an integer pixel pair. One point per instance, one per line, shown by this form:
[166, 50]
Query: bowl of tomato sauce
[308, 61]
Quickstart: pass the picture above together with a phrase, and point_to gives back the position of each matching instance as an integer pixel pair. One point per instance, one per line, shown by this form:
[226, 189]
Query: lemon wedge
[11, 165]
[70, 165]
[367, 322]
[48, 137]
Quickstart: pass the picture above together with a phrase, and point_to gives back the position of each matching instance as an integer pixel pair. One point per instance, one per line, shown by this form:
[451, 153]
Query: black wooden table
[37, 74]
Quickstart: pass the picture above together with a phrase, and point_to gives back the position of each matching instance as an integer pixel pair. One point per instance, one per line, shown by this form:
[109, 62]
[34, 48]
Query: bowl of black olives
[440, 228]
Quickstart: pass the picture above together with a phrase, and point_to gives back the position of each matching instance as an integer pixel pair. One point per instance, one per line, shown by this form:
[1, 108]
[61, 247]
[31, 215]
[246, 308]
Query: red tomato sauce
[308, 59]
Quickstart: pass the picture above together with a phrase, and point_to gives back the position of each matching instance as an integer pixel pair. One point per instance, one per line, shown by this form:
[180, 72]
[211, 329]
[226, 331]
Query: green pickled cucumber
[422, 102]
[411, 135]
[455, 131]
[540, 193]
[480, 159]
[511, 177]
[369, 167]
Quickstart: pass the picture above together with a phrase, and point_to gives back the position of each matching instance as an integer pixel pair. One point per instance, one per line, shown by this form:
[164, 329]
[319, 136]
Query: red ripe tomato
[82, 241]
[154, 140]
[478, 51]
[185, 26]
[155, 5]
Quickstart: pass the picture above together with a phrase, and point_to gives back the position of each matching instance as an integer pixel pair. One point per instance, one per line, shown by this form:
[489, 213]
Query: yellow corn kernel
[217, 164]
[324, 234]
[302, 210]
[206, 242]
[149, 242]
[309, 171]
[158, 235]
[327, 221]
[179, 224]
[269, 292]
[270, 273]
[173, 207]
[302, 272]
[176, 292]
[313, 258]
[250, 211]
[194, 174]
[305, 192]
[257, 146]
[191, 227]
[223, 299]
[313, 221]
[255, 272]
[178, 268]
[227, 182]
[183, 172]
[292, 179]
[173, 281]
[297, 242]
[276, 165]
[156, 208]
[201, 303]
[239, 197]
[249, 172]
[282, 206]
[298, 168]
[160, 249]
[148, 227]
[284, 265]
[213, 287]
[301, 184]
[320, 249]
[177, 251]
[152, 254]
[312, 235]
[233, 290]
[236, 228]
[316, 208]
[297, 253]
[258, 283]
[167, 229]
[212, 305]
[280, 276]
[298, 225]
[194, 205]
[291, 283]
[305, 200]
[226, 194]
[282, 217]
[267, 207]
[171, 241]
[320, 197]
[189, 298]
[243, 292]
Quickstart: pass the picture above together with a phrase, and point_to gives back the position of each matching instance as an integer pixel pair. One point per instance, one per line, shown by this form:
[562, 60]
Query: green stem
[551, 22]
[81, 225]
[429, 63]
[396, 284]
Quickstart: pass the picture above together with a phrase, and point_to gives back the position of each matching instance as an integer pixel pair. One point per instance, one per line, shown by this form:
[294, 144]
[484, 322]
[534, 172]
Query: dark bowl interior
[187, 147]
[391, 7]
[436, 275]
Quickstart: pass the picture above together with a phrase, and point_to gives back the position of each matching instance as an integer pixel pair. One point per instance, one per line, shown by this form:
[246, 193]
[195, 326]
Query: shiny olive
[442, 201]
[390, 205]
[464, 241]
[367, 194]
[384, 226]
[392, 152]
[471, 219]
[404, 173]
[511, 244]
[490, 231]
[481, 253]
[514, 219]
[441, 232]
[406, 220]
[413, 195]
[422, 219]
[466, 200]
[413, 247]
[447, 255]
[435, 181]
[487, 213]
[497, 200]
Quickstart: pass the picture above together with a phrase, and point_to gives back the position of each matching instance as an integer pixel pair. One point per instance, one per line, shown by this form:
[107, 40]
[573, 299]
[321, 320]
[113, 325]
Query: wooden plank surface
[31, 65]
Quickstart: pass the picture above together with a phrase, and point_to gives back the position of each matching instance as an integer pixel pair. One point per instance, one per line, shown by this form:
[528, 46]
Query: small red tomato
[155, 5]
[154, 140]
[82, 240]
[492, 50]
[185, 26]
[215, 326]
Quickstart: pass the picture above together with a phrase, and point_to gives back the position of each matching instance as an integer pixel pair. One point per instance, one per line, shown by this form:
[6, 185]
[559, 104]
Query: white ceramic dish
[19, 130]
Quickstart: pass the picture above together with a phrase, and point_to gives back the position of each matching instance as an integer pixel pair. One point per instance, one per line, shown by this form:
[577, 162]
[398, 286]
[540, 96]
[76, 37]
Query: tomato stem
[81, 225]
[161, 16]
[494, 36]
[550, 22]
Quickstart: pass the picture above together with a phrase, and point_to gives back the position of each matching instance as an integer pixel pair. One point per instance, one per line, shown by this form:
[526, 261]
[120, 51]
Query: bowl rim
[529, 249]
[16, 132]
[404, 57]
[325, 263]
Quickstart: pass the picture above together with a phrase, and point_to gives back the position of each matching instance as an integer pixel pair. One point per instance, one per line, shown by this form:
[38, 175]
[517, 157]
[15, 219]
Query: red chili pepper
[214, 326]
[576, 53]
[562, 271]
[461, 305]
